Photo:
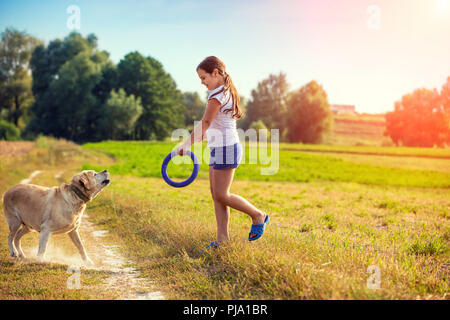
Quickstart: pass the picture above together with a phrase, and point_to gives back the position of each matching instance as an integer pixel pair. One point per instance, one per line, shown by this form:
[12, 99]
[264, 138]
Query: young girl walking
[219, 125]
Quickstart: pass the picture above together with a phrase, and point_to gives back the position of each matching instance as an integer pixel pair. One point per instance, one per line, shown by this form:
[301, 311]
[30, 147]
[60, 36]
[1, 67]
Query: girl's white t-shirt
[222, 131]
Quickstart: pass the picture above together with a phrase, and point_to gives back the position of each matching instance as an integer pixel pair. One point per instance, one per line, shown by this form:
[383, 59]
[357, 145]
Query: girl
[219, 124]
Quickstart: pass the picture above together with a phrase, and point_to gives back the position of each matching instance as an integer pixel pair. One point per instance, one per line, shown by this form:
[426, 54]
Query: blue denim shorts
[226, 157]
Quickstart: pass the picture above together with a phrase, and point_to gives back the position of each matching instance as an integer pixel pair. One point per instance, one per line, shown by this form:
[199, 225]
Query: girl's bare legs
[222, 211]
[220, 182]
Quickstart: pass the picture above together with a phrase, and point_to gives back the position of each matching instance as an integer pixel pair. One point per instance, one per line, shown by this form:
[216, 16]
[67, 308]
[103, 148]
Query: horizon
[355, 51]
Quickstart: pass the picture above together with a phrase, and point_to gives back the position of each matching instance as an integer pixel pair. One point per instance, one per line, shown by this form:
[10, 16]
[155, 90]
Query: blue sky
[329, 41]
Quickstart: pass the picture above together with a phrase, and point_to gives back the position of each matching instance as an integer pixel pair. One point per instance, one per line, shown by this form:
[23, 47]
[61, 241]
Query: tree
[16, 48]
[66, 79]
[163, 108]
[122, 113]
[46, 61]
[419, 119]
[268, 103]
[309, 116]
[108, 82]
[195, 107]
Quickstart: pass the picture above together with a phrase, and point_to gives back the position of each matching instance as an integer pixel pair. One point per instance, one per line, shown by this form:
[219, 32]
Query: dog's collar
[80, 194]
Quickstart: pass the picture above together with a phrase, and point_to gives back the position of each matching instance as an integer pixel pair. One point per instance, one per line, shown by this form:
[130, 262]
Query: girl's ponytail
[237, 113]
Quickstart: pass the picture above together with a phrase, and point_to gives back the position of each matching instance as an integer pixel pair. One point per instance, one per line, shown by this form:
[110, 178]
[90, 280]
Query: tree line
[421, 118]
[71, 89]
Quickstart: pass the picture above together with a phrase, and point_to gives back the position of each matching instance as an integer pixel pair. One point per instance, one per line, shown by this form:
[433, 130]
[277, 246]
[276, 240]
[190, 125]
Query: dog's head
[90, 183]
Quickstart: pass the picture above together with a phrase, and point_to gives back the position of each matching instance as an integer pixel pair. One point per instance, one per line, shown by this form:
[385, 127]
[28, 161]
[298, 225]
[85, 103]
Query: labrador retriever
[50, 211]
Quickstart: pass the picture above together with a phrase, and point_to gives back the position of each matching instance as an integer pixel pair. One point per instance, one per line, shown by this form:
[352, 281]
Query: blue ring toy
[182, 183]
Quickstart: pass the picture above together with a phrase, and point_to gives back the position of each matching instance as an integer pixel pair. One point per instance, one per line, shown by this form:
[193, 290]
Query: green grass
[143, 159]
[433, 246]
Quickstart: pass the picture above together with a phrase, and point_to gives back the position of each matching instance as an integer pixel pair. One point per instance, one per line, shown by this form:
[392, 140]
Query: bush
[9, 131]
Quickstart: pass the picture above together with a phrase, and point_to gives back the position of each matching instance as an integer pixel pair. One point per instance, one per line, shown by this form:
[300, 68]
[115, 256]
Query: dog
[54, 210]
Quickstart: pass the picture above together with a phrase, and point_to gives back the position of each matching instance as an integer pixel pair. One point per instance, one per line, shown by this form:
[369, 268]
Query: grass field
[332, 220]
[359, 129]
[143, 159]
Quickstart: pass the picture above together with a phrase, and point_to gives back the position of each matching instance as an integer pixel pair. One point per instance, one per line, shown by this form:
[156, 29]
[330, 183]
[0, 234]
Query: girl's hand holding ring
[182, 150]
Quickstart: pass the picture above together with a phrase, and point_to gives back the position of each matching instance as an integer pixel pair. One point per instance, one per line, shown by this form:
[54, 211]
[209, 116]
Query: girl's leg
[221, 187]
[222, 211]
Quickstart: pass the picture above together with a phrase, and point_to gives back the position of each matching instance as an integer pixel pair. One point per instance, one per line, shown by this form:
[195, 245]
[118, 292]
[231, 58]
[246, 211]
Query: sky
[367, 53]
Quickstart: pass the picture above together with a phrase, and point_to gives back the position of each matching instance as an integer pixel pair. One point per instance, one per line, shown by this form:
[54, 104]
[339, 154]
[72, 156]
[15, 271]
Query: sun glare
[442, 6]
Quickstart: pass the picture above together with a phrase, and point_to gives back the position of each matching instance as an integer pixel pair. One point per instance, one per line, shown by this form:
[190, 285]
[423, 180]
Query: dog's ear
[84, 182]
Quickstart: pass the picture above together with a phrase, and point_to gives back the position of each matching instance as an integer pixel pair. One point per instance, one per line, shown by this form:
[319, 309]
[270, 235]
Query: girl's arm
[198, 133]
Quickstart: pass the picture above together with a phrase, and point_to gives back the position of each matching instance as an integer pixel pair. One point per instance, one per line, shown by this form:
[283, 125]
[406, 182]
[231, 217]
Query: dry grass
[321, 240]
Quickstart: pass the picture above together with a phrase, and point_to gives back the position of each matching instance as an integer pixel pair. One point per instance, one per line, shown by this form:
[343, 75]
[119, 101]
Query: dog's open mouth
[106, 182]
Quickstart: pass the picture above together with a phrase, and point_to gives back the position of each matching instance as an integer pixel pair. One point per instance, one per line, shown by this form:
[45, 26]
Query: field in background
[360, 130]
[331, 219]
[143, 159]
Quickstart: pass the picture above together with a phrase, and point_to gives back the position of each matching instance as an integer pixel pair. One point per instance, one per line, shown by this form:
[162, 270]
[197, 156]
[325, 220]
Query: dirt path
[124, 280]
[34, 174]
